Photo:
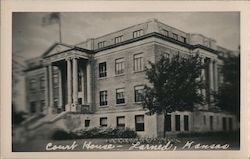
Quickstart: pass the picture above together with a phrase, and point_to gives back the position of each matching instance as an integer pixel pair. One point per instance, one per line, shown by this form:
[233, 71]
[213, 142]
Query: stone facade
[98, 81]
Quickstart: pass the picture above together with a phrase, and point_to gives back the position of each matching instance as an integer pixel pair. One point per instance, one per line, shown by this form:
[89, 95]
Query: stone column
[215, 76]
[75, 81]
[211, 75]
[46, 77]
[211, 79]
[60, 88]
[69, 82]
[82, 81]
[203, 78]
[89, 84]
[51, 89]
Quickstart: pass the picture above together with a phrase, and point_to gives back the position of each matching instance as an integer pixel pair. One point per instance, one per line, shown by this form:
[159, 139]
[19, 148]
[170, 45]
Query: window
[104, 122]
[183, 39]
[80, 77]
[138, 62]
[118, 39]
[211, 118]
[120, 96]
[102, 69]
[32, 107]
[177, 123]
[101, 44]
[87, 123]
[103, 98]
[175, 36]
[165, 32]
[186, 122]
[230, 123]
[55, 80]
[119, 66]
[120, 122]
[42, 104]
[139, 93]
[137, 33]
[32, 84]
[224, 123]
[80, 101]
[168, 123]
[139, 123]
[42, 82]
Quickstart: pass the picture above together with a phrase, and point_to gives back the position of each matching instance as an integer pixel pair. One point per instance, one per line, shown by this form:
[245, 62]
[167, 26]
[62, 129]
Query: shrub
[95, 133]
[61, 135]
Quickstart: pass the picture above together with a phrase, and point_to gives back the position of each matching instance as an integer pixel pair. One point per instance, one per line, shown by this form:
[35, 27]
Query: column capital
[46, 63]
[67, 58]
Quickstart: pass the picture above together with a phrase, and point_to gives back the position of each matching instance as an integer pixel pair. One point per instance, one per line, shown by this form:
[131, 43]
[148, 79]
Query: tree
[174, 85]
[228, 97]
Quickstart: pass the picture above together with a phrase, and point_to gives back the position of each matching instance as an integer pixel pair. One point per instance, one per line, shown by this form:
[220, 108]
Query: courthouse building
[99, 82]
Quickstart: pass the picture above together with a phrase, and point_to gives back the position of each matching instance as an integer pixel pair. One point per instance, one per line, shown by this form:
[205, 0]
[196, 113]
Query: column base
[71, 107]
[51, 110]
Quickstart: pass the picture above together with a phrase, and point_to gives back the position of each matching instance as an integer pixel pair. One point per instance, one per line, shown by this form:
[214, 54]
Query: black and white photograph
[124, 80]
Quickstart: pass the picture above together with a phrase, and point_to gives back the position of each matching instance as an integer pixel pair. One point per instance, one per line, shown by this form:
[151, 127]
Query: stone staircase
[49, 118]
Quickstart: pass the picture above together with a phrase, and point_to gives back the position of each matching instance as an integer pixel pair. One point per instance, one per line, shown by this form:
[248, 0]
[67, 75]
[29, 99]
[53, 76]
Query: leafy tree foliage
[174, 84]
[228, 97]
[17, 117]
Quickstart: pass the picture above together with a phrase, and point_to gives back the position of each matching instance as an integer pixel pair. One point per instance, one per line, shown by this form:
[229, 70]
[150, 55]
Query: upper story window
[32, 84]
[165, 32]
[80, 78]
[104, 122]
[55, 79]
[42, 82]
[120, 122]
[119, 66]
[103, 98]
[183, 39]
[120, 97]
[137, 33]
[139, 93]
[101, 44]
[138, 62]
[175, 36]
[102, 69]
[118, 39]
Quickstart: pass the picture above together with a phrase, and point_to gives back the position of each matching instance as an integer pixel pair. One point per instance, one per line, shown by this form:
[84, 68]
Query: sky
[31, 39]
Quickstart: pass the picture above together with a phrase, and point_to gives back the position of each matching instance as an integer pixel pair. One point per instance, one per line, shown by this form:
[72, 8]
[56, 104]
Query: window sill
[138, 71]
[122, 104]
[137, 103]
[103, 106]
[102, 78]
[117, 75]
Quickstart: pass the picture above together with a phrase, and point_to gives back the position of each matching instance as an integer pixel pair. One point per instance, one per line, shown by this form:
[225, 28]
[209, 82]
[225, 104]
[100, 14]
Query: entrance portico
[73, 91]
